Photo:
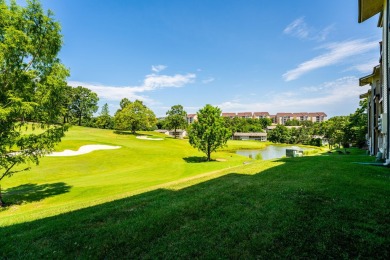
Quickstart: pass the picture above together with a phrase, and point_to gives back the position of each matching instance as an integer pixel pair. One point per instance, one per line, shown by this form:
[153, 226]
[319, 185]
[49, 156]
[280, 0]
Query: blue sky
[252, 55]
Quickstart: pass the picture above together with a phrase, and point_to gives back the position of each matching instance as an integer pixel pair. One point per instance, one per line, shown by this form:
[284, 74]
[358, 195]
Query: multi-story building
[260, 115]
[317, 117]
[230, 115]
[245, 115]
[374, 110]
[378, 95]
[301, 116]
[191, 118]
[279, 118]
[282, 118]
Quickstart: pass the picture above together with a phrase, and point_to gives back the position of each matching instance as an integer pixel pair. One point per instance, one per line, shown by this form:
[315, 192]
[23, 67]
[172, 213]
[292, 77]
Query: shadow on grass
[119, 132]
[195, 159]
[31, 192]
[310, 207]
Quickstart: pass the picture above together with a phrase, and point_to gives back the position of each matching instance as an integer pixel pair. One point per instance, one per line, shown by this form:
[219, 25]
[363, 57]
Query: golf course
[156, 196]
[63, 183]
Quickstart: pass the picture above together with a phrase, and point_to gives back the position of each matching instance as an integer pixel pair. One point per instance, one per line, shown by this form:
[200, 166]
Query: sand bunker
[143, 137]
[84, 149]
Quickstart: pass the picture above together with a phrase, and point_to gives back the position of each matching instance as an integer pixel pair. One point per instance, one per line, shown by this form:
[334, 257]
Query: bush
[259, 156]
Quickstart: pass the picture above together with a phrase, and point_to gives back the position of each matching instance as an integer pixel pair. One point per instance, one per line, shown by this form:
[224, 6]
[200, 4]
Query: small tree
[134, 116]
[208, 133]
[104, 120]
[176, 118]
[357, 126]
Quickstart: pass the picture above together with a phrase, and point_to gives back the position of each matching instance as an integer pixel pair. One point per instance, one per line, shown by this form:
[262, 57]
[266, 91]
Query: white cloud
[298, 28]
[301, 30]
[151, 82]
[323, 34]
[208, 80]
[158, 68]
[336, 53]
[365, 67]
[110, 92]
[338, 97]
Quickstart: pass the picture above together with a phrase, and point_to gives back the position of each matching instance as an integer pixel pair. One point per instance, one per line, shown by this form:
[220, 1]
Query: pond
[270, 152]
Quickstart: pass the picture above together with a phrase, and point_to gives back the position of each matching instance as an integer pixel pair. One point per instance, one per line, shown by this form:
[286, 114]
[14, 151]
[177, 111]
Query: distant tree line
[81, 104]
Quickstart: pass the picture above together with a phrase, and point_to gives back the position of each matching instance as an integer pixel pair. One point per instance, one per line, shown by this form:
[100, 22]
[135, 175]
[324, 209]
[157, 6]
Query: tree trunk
[80, 120]
[174, 133]
[2, 204]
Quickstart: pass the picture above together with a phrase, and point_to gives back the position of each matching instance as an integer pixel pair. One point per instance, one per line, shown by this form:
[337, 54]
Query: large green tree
[134, 116]
[83, 103]
[32, 83]
[335, 129]
[357, 127]
[280, 134]
[238, 124]
[176, 118]
[209, 133]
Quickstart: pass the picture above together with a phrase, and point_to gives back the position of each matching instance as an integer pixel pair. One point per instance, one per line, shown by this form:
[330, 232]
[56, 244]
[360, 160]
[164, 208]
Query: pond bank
[271, 151]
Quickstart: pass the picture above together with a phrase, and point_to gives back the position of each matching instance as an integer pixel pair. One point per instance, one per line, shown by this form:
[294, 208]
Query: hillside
[61, 184]
[324, 206]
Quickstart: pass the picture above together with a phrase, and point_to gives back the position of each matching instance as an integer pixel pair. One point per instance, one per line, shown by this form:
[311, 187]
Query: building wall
[385, 66]
[280, 118]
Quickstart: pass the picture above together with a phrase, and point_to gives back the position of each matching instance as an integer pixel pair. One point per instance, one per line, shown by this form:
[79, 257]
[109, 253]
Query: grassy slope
[310, 207]
[60, 184]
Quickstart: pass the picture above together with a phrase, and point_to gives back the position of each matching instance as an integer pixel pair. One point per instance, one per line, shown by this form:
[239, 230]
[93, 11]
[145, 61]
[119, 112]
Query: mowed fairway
[62, 184]
[314, 207]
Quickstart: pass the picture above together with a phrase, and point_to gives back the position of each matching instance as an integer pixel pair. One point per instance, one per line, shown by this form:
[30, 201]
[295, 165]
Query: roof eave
[369, 8]
[369, 78]
[365, 95]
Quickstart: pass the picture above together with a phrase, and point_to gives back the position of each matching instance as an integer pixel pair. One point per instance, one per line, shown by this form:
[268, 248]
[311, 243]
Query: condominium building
[378, 95]
[279, 118]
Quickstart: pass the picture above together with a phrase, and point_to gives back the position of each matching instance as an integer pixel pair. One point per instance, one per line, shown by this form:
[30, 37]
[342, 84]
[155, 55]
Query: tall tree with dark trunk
[32, 83]
[83, 103]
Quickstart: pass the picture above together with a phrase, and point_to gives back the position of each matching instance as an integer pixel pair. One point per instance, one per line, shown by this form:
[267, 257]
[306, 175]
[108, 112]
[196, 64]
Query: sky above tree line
[252, 55]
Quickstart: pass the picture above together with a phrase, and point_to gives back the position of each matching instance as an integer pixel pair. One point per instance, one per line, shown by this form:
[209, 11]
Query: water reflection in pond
[270, 152]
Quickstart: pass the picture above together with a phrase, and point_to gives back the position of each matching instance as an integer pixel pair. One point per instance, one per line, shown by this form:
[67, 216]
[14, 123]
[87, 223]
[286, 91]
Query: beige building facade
[378, 94]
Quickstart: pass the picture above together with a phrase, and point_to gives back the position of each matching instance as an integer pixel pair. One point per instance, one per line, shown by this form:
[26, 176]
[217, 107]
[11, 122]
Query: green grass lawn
[61, 184]
[325, 206]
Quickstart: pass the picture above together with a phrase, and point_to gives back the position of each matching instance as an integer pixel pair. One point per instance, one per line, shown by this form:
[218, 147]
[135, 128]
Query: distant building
[282, 118]
[317, 117]
[303, 116]
[260, 115]
[245, 115]
[279, 118]
[376, 133]
[229, 115]
[191, 118]
[272, 127]
[250, 136]
[179, 132]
